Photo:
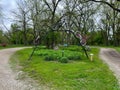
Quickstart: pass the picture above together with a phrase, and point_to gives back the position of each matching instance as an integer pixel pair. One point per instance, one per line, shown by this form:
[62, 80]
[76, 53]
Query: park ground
[76, 74]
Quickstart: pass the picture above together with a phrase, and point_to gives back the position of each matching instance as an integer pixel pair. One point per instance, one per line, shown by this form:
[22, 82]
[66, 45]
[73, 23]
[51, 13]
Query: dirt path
[8, 79]
[112, 58]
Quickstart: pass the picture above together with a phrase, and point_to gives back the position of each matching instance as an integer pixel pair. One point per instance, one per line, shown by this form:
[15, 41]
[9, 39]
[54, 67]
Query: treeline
[49, 19]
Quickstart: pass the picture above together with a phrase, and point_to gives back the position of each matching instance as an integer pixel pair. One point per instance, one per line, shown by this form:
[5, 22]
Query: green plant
[3, 44]
[77, 57]
[72, 48]
[74, 57]
[63, 60]
[49, 58]
[52, 57]
[70, 57]
[42, 54]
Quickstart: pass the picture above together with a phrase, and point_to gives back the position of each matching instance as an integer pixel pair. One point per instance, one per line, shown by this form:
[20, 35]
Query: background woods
[99, 20]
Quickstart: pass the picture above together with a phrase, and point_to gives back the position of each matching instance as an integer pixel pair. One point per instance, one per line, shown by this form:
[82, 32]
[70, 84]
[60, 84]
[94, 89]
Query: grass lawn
[79, 74]
[117, 48]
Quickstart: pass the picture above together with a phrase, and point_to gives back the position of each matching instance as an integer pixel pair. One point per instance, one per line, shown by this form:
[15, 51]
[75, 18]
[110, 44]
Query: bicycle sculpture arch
[82, 40]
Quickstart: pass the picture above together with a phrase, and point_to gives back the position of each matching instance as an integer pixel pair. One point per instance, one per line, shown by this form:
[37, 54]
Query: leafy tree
[45, 18]
[22, 18]
[3, 39]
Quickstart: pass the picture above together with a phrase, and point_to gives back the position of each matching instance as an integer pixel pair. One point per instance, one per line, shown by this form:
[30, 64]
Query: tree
[109, 25]
[52, 18]
[45, 18]
[22, 18]
[15, 34]
[0, 11]
[36, 16]
[3, 39]
[107, 3]
[1, 36]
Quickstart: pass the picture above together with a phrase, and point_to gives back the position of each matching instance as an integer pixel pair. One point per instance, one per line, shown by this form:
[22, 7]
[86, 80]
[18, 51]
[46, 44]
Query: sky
[7, 6]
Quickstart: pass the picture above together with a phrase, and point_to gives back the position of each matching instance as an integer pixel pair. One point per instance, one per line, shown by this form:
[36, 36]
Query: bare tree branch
[110, 5]
[48, 5]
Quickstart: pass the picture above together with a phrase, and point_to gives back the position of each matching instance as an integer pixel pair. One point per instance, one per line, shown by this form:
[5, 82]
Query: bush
[71, 57]
[43, 54]
[72, 48]
[75, 57]
[63, 60]
[4, 44]
[51, 57]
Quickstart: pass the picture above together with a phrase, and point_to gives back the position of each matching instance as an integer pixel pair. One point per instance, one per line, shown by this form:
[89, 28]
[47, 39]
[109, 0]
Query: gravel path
[8, 79]
[112, 58]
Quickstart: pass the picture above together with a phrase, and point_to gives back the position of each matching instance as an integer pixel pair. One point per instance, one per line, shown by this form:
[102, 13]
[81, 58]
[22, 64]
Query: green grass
[74, 75]
[117, 48]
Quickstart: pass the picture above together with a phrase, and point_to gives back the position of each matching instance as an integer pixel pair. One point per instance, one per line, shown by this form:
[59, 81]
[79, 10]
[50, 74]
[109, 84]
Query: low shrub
[75, 57]
[49, 58]
[71, 57]
[63, 60]
[42, 54]
[3, 44]
[53, 57]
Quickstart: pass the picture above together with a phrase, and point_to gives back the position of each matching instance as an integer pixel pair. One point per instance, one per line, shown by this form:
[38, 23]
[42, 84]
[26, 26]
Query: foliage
[16, 36]
[3, 44]
[74, 57]
[63, 60]
[51, 57]
[71, 48]
[49, 37]
[48, 20]
[57, 55]
[3, 39]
